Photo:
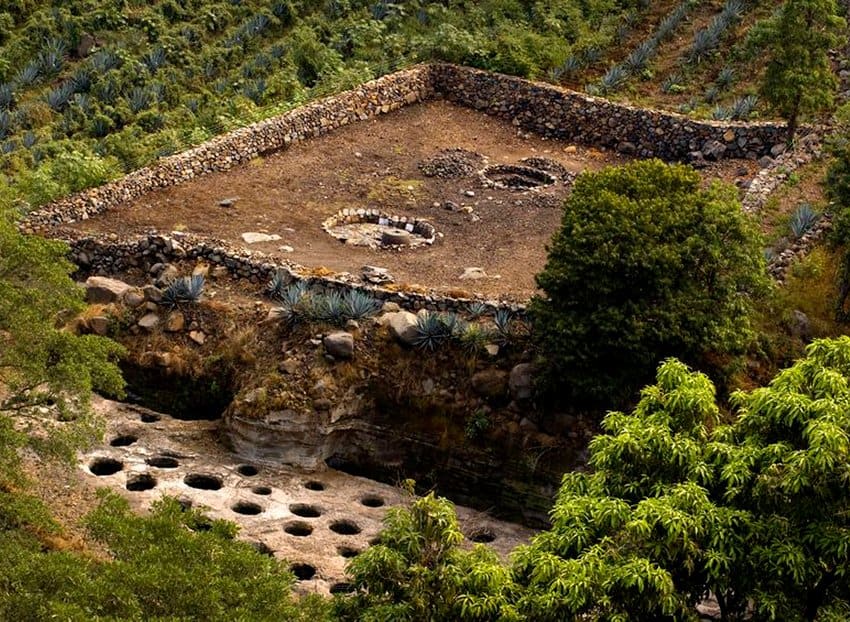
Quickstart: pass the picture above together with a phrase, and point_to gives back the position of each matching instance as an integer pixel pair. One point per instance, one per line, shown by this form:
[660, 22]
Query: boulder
[103, 290]
[403, 326]
[521, 382]
[152, 293]
[99, 325]
[490, 383]
[339, 345]
[149, 321]
[175, 322]
[252, 237]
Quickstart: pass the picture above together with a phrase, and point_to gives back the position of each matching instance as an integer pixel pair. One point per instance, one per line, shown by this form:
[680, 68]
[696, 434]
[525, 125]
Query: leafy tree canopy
[646, 265]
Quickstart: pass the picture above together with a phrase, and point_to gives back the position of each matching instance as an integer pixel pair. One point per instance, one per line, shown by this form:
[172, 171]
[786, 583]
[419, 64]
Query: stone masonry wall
[537, 107]
[559, 113]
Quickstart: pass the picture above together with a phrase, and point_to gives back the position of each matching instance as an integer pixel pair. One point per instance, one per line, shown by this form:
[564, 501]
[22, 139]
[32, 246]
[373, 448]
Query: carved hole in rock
[149, 418]
[345, 527]
[314, 485]
[298, 528]
[347, 551]
[261, 490]
[262, 548]
[105, 466]
[375, 229]
[247, 508]
[163, 462]
[304, 510]
[342, 588]
[124, 440]
[183, 397]
[141, 482]
[248, 470]
[372, 501]
[303, 572]
[515, 177]
[202, 481]
[482, 536]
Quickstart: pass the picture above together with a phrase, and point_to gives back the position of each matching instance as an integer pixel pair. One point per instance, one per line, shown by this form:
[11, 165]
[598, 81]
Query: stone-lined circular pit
[515, 177]
[377, 229]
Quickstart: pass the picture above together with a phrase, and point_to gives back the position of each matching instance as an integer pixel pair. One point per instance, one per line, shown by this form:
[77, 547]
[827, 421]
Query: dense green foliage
[676, 505]
[165, 74]
[174, 564]
[418, 572]
[645, 265]
[799, 78]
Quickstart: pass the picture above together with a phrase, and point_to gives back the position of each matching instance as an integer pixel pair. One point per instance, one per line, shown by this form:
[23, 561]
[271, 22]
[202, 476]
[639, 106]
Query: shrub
[645, 265]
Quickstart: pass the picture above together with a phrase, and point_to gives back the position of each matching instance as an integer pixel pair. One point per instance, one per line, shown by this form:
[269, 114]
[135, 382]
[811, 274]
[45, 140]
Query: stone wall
[537, 107]
[567, 115]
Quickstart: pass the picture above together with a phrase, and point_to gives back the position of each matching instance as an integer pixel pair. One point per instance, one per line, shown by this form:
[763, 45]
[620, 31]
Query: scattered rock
[521, 382]
[290, 365]
[390, 307]
[286, 249]
[339, 345]
[228, 202]
[451, 206]
[473, 274]
[253, 237]
[219, 272]
[376, 275]
[152, 293]
[167, 275]
[778, 149]
[490, 383]
[103, 290]
[198, 337]
[428, 386]
[469, 193]
[713, 150]
[201, 269]
[149, 321]
[403, 326]
[765, 161]
[492, 349]
[322, 404]
[801, 326]
[99, 325]
[134, 298]
[175, 322]
[451, 164]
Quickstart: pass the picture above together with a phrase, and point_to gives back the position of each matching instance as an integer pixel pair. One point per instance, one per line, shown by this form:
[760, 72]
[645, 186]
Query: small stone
[135, 298]
[175, 322]
[201, 269]
[322, 404]
[228, 202]
[198, 337]
[403, 326]
[339, 345]
[473, 274]
[490, 383]
[765, 161]
[99, 325]
[469, 193]
[167, 275]
[376, 275]
[352, 325]
[451, 206]
[219, 272]
[521, 381]
[390, 307]
[103, 290]
[149, 321]
[286, 249]
[428, 386]
[778, 149]
[492, 349]
[290, 365]
[253, 237]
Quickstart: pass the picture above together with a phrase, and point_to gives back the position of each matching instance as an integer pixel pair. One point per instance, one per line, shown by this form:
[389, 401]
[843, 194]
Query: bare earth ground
[374, 164]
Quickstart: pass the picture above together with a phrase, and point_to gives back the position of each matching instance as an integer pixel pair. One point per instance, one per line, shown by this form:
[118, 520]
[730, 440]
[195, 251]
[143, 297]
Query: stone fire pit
[379, 230]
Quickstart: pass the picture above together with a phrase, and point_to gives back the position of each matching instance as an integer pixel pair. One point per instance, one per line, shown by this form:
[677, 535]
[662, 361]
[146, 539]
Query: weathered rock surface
[339, 345]
[103, 290]
[403, 326]
[149, 321]
[490, 383]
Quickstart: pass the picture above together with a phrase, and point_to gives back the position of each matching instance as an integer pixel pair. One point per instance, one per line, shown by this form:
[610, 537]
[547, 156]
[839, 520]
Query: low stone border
[771, 177]
[515, 177]
[425, 231]
[779, 266]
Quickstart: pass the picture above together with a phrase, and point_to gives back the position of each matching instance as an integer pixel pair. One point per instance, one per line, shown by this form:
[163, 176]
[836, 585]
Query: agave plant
[705, 42]
[255, 25]
[503, 320]
[672, 83]
[106, 92]
[734, 9]
[477, 308]
[430, 331]
[8, 147]
[29, 139]
[803, 219]
[711, 94]
[82, 81]
[572, 65]
[359, 305]
[255, 91]
[592, 54]
[28, 74]
[721, 113]
[138, 99]
[744, 106]
[58, 98]
[104, 61]
[5, 123]
[7, 96]
[613, 79]
[473, 338]
[330, 308]
[640, 56]
[154, 59]
[725, 78]
[277, 284]
[50, 62]
[183, 289]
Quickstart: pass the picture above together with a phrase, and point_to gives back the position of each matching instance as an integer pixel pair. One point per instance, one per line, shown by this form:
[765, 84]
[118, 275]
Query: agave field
[89, 90]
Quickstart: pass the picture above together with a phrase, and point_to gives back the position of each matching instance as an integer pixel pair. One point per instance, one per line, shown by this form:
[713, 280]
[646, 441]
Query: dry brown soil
[374, 164]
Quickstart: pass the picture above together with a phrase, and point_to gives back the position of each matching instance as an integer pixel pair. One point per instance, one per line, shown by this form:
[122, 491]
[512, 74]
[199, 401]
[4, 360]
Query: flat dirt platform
[375, 164]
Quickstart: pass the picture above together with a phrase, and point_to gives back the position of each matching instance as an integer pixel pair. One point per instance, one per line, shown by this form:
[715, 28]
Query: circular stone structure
[452, 163]
[379, 230]
[515, 177]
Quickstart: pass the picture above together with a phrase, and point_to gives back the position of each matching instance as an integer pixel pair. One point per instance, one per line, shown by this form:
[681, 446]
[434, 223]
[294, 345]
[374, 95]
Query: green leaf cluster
[646, 264]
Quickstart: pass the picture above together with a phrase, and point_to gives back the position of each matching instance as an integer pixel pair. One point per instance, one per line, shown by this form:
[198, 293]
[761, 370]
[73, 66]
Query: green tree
[799, 79]
[419, 572]
[162, 566]
[646, 265]
[677, 506]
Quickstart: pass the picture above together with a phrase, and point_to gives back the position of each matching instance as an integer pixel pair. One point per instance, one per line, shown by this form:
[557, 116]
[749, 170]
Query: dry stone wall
[536, 107]
[559, 113]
